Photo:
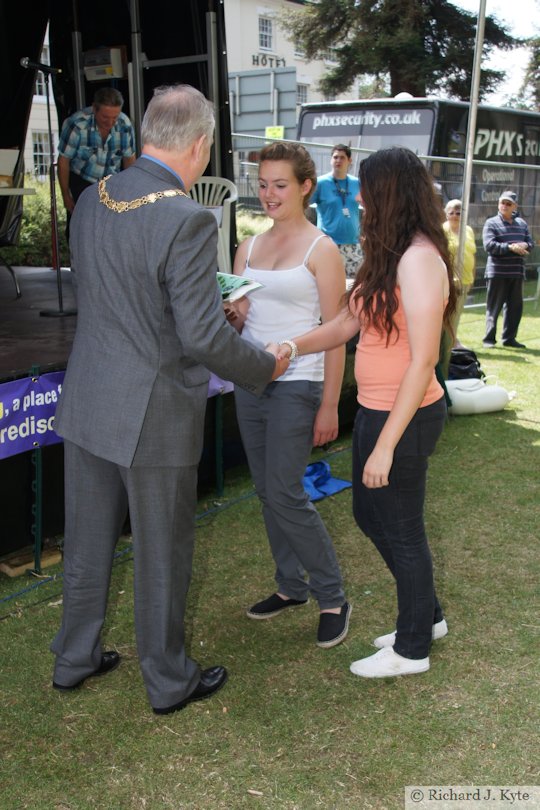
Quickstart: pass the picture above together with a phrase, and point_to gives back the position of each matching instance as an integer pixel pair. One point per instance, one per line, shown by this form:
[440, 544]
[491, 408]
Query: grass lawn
[293, 729]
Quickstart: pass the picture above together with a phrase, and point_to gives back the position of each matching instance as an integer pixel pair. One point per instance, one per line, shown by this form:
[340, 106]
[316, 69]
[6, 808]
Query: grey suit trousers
[162, 504]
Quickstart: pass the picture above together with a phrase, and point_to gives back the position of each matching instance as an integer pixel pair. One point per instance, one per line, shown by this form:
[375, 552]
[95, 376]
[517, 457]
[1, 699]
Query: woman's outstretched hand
[282, 362]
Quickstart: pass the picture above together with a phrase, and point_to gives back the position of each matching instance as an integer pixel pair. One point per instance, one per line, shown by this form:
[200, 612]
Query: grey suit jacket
[150, 324]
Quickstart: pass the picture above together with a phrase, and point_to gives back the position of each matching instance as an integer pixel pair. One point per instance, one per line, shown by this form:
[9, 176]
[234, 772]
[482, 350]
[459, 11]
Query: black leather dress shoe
[514, 344]
[212, 679]
[109, 661]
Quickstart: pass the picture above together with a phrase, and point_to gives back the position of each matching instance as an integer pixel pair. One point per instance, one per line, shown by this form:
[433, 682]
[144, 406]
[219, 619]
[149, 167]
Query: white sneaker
[440, 629]
[387, 664]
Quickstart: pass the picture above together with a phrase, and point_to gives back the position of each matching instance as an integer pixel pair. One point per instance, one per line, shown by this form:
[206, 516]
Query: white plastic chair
[219, 194]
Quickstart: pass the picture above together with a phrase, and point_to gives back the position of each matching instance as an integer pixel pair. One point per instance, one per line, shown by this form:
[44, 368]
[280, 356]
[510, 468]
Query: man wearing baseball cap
[506, 241]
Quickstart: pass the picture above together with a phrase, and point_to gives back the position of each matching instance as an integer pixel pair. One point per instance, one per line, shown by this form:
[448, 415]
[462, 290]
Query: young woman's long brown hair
[400, 203]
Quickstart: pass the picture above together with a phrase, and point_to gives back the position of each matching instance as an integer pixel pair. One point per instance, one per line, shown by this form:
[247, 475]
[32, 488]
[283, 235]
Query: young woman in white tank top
[303, 284]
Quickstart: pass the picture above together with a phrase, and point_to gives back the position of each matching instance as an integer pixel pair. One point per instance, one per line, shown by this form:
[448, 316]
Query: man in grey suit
[150, 324]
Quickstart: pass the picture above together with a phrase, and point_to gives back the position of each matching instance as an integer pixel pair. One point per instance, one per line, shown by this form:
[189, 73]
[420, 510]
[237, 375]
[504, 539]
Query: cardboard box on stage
[8, 161]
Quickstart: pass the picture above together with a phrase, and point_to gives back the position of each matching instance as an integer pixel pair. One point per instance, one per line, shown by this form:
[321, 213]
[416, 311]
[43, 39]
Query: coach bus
[506, 149]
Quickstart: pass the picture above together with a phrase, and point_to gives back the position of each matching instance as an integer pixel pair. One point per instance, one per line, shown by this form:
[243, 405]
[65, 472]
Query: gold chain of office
[120, 206]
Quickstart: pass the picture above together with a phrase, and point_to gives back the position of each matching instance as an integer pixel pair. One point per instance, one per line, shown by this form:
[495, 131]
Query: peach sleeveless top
[379, 368]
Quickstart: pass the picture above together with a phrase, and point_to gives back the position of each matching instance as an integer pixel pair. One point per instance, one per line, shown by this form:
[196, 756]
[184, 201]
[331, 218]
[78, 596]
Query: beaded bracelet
[292, 346]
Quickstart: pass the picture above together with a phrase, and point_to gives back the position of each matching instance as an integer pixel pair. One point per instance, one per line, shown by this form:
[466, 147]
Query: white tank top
[286, 306]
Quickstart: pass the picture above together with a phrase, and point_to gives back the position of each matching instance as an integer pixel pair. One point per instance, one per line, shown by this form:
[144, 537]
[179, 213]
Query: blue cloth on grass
[318, 481]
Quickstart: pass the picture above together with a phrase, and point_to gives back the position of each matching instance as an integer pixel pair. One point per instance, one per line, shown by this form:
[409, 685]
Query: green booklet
[235, 287]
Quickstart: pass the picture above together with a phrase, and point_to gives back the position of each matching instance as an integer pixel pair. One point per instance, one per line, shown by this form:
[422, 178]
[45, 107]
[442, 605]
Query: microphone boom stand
[60, 312]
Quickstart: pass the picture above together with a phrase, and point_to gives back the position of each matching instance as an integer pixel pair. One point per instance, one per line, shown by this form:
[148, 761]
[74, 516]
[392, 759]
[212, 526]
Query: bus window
[456, 143]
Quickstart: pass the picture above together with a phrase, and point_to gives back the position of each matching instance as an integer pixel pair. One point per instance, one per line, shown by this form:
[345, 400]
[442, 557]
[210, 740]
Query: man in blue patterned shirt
[94, 142]
[506, 241]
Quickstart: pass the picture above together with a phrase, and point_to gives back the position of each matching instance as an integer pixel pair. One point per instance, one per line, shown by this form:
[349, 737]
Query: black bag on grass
[464, 365]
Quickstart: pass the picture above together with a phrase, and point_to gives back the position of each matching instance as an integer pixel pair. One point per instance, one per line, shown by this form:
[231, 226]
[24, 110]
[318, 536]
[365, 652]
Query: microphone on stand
[26, 62]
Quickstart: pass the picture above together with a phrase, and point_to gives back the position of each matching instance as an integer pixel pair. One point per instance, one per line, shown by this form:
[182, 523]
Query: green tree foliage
[530, 90]
[34, 247]
[531, 85]
[422, 46]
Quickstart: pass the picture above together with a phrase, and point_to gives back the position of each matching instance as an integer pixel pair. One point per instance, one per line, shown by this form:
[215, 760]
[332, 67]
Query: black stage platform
[26, 337]
[28, 340]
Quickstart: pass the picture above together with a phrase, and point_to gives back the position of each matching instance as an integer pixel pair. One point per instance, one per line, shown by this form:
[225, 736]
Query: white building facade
[257, 39]
[37, 145]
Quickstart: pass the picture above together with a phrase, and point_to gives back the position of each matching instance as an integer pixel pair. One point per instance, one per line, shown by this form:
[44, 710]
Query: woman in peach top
[402, 296]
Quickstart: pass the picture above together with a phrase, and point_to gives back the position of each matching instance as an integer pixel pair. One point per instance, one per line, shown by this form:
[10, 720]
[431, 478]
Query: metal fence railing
[488, 180]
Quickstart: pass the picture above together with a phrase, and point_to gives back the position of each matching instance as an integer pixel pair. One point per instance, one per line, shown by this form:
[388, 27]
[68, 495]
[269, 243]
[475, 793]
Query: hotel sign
[266, 61]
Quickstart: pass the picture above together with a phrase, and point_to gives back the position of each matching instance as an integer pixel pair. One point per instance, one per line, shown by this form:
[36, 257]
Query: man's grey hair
[176, 117]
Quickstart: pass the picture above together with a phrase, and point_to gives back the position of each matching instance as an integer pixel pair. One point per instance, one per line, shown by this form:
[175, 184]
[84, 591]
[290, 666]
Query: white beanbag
[474, 396]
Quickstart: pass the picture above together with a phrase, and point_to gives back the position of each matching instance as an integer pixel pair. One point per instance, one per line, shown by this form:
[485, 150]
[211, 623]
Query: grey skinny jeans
[277, 433]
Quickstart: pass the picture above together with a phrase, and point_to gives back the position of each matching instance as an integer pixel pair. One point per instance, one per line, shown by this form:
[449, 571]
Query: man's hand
[281, 367]
[282, 363]
[521, 248]
[69, 202]
[62, 170]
